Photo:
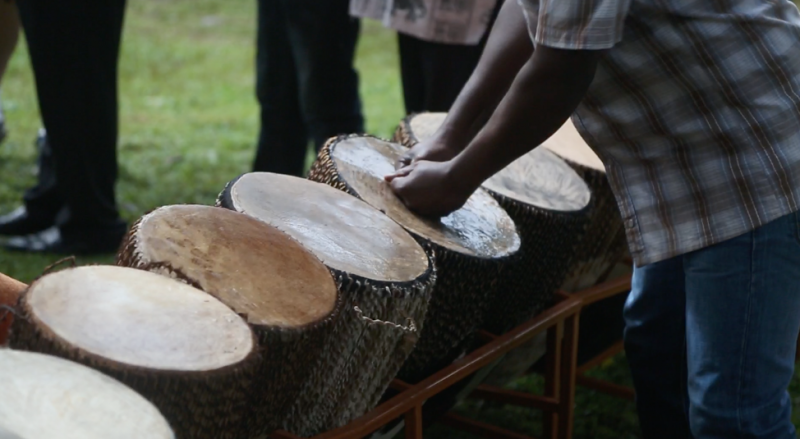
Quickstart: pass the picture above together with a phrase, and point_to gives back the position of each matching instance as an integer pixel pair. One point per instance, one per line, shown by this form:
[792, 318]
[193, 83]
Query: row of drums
[292, 303]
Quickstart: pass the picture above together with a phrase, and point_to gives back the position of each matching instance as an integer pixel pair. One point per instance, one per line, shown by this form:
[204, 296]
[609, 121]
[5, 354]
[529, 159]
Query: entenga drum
[472, 246]
[384, 276]
[180, 348]
[282, 290]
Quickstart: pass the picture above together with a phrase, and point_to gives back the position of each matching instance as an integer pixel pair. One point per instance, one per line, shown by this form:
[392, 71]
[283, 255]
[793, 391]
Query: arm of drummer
[507, 48]
[541, 99]
[572, 37]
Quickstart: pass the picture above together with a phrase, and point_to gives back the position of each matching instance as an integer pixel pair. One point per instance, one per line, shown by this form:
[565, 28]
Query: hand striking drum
[550, 205]
[285, 293]
[49, 397]
[603, 243]
[180, 348]
[381, 271]
[472, 246]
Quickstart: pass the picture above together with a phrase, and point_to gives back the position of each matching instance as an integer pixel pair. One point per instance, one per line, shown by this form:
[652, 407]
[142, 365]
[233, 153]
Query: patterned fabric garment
[695, 112]
[438, 21]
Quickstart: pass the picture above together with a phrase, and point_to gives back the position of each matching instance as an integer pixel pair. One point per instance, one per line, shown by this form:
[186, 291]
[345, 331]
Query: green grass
[188, 124]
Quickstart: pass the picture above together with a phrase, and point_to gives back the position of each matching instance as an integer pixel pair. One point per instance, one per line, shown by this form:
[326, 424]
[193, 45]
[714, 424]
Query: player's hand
[427, 188]
[435, 149]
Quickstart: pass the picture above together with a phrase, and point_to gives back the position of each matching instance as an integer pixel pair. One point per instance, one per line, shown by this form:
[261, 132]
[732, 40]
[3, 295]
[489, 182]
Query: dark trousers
[433, 74]
[305, 80]
[74, 48]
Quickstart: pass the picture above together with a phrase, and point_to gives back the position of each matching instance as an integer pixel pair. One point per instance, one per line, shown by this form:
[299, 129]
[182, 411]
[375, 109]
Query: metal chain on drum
[412, 327]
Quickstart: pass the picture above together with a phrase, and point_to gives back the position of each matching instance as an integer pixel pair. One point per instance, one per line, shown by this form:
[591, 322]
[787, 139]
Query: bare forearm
[543, 96]
[507, 49]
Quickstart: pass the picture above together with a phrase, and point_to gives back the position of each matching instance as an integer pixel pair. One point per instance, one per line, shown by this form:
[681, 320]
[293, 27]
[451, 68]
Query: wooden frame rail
[561, 323]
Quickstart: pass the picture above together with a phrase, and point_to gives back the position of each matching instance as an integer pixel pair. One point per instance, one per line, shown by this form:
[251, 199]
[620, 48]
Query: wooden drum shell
[210, 404]
[531, 282]
[290, 356]
[604, 244]
[359, 358]
[452, 318]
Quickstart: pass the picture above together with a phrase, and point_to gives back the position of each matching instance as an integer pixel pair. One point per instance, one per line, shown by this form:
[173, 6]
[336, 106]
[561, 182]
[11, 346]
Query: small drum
[48, 397]
[180, 348]
[381, 271]
[285, 293]
[10, 289]
[549, 203]
[473, 246]
[605, 244]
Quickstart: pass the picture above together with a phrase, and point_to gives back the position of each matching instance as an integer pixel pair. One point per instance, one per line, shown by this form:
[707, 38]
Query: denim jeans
[305, 80]
[711, 337]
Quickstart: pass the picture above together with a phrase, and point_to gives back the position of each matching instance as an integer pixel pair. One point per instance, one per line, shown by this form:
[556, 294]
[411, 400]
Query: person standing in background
[74, 50]
[305, 80]
[9, 33]
[440, 43]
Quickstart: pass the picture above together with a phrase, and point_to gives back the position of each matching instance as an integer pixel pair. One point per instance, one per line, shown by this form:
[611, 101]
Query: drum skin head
[481, 228]
[138, 318]
[48, 397]
[260, 272]
[346, 233]
[541, 179]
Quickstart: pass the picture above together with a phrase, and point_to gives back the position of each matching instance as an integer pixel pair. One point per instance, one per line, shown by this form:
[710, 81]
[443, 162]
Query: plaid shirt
[695, 112]
[439, 21]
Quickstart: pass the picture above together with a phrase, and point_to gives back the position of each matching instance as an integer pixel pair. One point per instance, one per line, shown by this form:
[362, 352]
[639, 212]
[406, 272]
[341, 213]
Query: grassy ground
[188, 125]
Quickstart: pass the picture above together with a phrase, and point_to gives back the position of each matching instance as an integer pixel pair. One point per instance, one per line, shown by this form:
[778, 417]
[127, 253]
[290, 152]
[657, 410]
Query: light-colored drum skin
[381, 272]
[49, 397]
[472, 246]
[183, 350]
[281, 289]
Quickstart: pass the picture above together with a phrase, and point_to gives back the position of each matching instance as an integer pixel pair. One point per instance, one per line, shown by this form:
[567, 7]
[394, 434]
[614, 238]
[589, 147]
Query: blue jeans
[306, 83]
[711, 337]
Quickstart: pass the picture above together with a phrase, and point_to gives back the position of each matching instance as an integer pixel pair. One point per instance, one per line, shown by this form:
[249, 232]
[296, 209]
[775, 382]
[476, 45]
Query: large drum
[549, 203]
[604, 242]
[48, 397]
[183, 350]
[282, 290]
[473, 246]
[381, 271]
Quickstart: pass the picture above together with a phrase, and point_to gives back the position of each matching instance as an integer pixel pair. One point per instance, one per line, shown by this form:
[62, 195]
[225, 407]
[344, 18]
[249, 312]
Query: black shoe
[19, 222]
[52, 241]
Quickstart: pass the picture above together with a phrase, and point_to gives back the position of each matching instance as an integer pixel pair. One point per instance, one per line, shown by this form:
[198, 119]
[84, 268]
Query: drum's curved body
[550, 205]
[49, 397]
[381, 272]
[183, 350]
[284, 293]
[472, 247]
[605, 244]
